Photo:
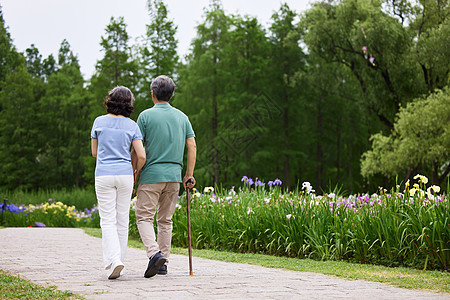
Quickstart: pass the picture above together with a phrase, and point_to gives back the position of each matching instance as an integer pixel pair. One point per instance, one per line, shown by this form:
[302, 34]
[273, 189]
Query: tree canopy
[346, 94]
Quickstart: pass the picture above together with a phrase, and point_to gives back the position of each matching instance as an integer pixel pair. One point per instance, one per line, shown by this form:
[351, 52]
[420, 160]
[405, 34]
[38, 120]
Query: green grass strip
[433, 281]
[13, 287]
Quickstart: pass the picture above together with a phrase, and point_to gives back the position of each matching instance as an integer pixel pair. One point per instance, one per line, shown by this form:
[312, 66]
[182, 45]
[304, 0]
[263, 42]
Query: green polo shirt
[164, 132]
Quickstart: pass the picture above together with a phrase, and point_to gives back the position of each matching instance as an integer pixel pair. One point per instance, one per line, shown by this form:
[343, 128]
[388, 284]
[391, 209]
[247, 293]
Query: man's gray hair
[163, 87]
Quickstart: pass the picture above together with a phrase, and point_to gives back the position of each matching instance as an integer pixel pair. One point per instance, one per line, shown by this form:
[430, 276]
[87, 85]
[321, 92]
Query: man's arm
[191, 157]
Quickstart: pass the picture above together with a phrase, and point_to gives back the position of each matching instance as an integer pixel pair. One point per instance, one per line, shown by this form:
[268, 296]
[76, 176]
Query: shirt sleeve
[189, 130]
[137, 133]
[93, 130]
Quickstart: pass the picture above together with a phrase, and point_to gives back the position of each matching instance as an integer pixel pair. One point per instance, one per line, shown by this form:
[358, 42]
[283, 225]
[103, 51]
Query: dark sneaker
[162, 270]
[156, 261]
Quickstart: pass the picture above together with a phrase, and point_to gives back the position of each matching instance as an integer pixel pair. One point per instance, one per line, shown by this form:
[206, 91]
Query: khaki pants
[158, 197]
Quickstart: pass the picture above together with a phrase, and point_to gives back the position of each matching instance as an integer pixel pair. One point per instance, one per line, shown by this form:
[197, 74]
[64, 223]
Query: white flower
[332, 195]
[232, 192]
[133, 203]
[178, 206]
[250, 211]
[289, 216]
[307, 187]
[267, 200]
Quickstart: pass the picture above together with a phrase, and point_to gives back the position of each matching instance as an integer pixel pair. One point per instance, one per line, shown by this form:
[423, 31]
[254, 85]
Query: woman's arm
[94, 146]
[138, 157]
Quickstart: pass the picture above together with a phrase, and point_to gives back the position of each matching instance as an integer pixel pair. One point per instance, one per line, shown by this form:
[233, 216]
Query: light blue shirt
[114, 136]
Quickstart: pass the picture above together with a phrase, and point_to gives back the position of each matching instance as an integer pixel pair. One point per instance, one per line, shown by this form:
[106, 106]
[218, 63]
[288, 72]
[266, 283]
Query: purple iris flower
[39, 224]
[277, 182]
[244, 179]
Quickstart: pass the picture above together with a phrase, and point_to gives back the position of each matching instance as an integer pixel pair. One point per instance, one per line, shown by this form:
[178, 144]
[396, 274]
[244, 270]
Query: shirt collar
[163, 104]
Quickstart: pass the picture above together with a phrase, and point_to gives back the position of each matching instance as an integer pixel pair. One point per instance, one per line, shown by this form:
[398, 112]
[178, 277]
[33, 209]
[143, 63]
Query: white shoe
[115, 270]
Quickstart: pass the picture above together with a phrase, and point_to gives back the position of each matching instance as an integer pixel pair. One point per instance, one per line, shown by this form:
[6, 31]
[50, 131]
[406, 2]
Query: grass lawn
[434, 281]
[13, 287]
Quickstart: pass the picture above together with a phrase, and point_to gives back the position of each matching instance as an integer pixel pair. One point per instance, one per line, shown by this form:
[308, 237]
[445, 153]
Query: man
[165, 132]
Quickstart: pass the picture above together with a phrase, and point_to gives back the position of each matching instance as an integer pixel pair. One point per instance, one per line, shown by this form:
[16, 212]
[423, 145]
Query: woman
[111, 137]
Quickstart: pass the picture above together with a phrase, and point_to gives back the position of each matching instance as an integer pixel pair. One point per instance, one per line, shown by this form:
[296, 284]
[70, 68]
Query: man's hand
[189, 184]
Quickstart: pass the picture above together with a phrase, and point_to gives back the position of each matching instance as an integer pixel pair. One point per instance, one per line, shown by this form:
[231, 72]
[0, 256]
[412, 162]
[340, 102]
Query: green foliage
[20, 135]
[420, 140]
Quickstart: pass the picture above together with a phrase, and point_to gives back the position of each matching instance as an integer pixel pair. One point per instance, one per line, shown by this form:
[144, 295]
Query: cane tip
[191, 275]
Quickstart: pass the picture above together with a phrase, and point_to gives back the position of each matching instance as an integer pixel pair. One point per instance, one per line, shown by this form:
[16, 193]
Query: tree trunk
[319, 154]
[214, 120]
[338, 148]
[286, 171]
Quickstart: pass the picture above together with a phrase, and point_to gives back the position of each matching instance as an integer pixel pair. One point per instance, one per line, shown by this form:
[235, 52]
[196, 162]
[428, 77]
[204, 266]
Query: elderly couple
[157, 144]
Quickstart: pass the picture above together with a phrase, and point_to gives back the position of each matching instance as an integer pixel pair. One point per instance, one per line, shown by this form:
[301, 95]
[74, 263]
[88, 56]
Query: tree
[287, 59]
[430, 30]
[159, 52]
[65, 123]
[202, 84]
[9, 57]
[20, 136]
[372, 45]
[420, 142]
[117, 67]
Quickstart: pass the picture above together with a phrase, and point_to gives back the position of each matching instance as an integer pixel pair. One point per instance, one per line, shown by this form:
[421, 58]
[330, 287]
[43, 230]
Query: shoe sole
[152, 272]
[162, 273]
[116, 273]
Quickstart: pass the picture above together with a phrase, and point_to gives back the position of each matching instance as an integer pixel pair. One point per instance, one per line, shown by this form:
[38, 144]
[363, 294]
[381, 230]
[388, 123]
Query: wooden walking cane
[188, 200]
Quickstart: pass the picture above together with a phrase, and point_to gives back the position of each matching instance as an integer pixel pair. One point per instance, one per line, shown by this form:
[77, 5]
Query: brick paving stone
[72, 260]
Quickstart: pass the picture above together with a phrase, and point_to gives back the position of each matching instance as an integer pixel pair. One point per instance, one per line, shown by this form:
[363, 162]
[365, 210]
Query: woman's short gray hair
[163, 87]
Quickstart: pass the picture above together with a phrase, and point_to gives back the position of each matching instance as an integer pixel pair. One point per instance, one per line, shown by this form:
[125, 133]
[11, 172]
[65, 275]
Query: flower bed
[409, 228]
[51, 214]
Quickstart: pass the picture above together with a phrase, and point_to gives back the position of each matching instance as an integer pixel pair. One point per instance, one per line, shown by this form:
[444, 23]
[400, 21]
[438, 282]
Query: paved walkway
[71, 260]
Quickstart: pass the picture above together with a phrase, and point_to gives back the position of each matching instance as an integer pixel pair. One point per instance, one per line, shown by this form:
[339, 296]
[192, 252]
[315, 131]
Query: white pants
[114, 196]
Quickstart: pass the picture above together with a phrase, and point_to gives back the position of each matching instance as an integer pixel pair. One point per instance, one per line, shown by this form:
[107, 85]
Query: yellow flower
[435, 188]
[208, 189]
[422, 178]
[416, 186]
[412, 191]
[407, 184]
